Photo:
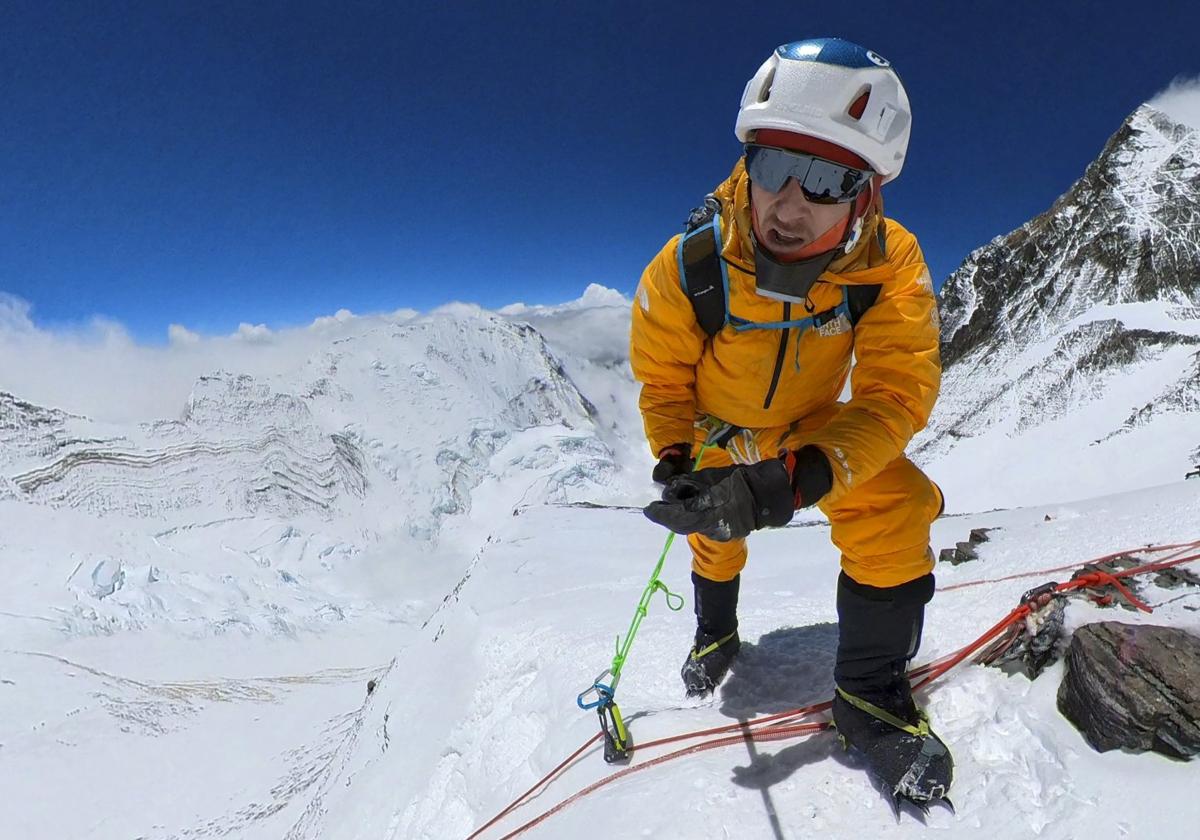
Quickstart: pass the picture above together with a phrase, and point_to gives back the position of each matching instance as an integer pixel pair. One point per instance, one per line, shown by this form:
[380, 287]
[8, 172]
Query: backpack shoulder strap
[861, 298]
[702, 272]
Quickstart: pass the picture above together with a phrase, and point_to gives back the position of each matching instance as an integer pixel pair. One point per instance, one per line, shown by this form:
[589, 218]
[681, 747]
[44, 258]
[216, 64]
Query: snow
[186, 657]
[1022, 769]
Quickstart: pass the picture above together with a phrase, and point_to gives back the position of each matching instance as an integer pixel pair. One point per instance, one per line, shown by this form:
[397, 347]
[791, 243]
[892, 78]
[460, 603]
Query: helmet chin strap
[792, 281]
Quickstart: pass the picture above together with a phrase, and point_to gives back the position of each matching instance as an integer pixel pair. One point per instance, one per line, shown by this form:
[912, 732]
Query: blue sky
[213, 163]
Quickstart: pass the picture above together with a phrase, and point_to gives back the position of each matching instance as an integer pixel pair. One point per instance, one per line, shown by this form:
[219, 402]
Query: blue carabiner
[604, 695]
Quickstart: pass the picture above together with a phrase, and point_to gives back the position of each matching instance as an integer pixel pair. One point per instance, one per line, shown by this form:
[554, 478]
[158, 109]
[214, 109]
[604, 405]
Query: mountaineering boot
[716, 642]
[879, 631]
[907, 757]
[708, 662]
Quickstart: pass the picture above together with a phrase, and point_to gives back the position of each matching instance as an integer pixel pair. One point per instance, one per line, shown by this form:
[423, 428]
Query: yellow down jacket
[763, 378]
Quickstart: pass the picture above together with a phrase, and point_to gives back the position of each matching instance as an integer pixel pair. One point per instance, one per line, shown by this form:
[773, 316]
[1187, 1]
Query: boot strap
[697, 654]
[921, 729]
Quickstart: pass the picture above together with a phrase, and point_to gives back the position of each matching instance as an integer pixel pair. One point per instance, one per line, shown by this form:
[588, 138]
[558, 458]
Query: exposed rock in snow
[1134, 687]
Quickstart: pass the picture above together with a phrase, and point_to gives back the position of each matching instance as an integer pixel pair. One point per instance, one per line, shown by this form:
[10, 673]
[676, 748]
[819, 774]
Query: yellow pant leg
[882, 526]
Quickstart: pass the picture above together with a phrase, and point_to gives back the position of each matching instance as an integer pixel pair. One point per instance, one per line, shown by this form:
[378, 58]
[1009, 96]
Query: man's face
[786, 221]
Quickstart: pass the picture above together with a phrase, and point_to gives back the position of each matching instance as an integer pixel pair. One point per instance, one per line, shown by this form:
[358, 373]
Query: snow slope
[535, 621]
[266, 730]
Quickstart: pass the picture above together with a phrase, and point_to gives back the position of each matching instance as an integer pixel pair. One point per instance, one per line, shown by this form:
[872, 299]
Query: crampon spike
[617, 744]
[893, 799]
[896, 800]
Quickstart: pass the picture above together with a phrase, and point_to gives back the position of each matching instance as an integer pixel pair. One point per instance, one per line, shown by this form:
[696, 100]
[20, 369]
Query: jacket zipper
[783, 340]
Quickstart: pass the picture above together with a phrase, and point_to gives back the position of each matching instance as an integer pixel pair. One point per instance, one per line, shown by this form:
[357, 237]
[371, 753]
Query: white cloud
[594, 296]
[339, 317]
[253, 332]
[1180, 101]
[597, 295]
[460, 309]
[14, 314]
[179, 334]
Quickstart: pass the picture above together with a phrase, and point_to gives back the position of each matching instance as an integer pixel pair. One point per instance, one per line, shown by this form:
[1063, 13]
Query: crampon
[905, 757]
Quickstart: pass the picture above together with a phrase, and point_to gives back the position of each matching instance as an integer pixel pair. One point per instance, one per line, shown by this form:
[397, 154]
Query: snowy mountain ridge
[382, 418]
[1076, 338]
[289, 501]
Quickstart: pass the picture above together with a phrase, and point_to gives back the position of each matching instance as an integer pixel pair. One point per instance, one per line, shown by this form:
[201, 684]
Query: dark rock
[1032, 645]
[1134, 687]
[1176, 577]
[979, 535]
[965, 552]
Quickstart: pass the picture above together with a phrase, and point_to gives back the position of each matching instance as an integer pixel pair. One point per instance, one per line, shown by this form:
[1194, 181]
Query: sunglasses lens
[831, 183]
[770, 168]
[823, 181]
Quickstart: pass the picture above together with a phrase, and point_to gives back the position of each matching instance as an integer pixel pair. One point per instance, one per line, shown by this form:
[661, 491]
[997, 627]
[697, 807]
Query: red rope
[1098, 578]
[1106, 558]
[775, 733]
[520, 800]
[783, 725]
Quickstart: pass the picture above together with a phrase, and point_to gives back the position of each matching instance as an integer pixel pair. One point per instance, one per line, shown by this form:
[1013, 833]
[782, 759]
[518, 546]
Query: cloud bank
[98, 370]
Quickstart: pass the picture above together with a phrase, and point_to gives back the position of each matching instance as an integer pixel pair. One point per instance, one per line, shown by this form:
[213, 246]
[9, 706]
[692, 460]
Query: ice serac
[1087, 316]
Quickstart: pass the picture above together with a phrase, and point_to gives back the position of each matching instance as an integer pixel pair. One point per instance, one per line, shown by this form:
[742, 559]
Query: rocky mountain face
[1088, 316]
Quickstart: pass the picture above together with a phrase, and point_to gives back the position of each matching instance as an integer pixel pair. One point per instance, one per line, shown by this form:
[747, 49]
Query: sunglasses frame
[840, 171]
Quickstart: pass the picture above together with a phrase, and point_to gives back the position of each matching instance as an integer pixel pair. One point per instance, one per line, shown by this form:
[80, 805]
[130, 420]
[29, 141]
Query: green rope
[674, 601]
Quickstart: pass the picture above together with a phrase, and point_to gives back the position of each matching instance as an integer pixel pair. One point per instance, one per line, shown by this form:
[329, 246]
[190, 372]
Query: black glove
[672, 461]
[812, 476]
[726, 503]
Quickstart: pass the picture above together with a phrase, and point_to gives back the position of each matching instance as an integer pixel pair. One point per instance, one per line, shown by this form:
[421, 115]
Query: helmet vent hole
[764, 93]
[859, 105]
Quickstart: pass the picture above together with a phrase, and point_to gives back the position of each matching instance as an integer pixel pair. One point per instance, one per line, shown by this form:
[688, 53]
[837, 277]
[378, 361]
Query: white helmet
[836, 91]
